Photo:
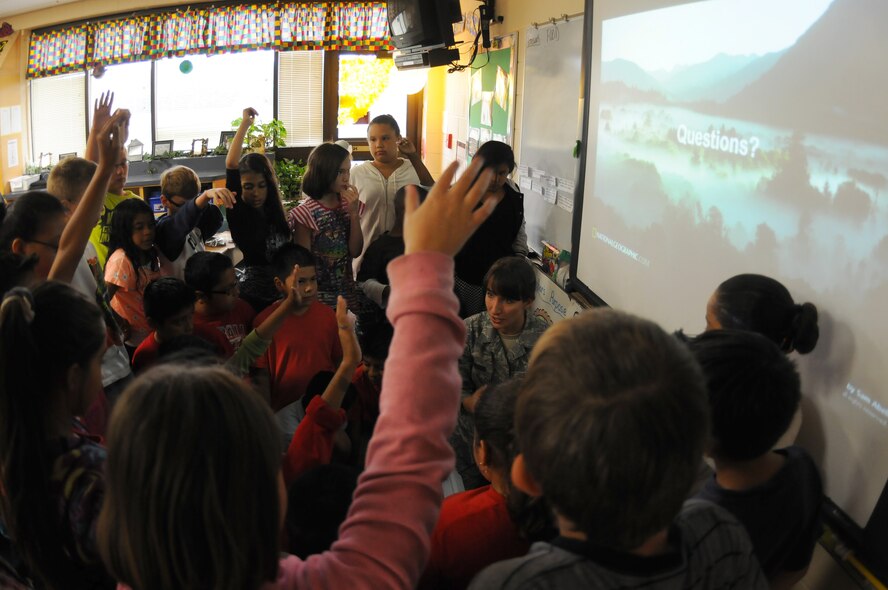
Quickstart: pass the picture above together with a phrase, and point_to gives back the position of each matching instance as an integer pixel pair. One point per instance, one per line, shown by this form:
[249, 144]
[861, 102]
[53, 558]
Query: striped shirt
[713, 552]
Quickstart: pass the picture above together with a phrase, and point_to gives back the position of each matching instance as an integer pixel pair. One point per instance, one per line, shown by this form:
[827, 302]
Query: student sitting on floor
[315, 437]
[611, 423]
[169, 307]
[482, 526]
[218, 306]
[754, 390]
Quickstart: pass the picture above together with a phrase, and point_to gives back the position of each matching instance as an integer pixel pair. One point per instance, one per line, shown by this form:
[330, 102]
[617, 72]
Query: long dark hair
[273, 207]
[495, 425]
[122, 234]
[41, 336]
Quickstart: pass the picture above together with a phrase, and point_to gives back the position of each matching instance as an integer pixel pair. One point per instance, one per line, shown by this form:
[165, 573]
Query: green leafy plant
[290, 173]
[273, 133]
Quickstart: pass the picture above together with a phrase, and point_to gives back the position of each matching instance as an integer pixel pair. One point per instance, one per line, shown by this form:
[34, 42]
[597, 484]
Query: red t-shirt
[473, 531]
[234, 324]
[368, 396]
[312, 443]
[304, 345]
[146, 354]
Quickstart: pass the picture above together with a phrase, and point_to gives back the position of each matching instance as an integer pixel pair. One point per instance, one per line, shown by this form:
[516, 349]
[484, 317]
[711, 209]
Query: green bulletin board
[492, 94]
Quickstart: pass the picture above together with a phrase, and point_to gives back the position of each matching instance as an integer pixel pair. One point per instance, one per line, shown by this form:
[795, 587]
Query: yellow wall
[12, 93]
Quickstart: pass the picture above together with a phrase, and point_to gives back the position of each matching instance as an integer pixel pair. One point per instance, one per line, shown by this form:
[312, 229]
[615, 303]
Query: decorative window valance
[352, 26]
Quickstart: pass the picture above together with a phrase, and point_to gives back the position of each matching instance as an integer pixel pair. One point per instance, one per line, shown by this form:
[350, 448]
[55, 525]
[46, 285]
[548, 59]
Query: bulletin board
[492, 94]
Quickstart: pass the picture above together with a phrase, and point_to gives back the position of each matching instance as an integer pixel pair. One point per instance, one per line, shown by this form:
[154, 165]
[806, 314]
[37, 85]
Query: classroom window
[366, 91]
[131, 84]
[200, 101]
[301, 96]
[58, 117]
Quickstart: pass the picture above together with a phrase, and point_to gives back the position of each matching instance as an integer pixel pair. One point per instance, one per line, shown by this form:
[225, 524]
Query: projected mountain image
[733, 136]
[776, 143]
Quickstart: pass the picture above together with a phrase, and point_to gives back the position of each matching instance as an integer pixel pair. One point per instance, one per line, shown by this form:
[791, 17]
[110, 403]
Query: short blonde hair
[69, 178]
[180, 181]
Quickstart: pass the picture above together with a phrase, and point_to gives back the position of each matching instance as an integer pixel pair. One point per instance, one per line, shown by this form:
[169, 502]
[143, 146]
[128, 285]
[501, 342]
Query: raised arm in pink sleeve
[384, 542]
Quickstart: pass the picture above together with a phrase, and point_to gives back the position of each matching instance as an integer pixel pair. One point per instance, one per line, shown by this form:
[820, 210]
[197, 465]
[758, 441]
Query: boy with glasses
[218, 306]
[189, 220]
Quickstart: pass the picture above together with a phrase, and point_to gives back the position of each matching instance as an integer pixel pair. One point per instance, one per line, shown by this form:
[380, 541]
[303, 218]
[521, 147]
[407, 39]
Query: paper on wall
[550, 194]
[5, 121]
[566, 202]
[15, 114]
[12, 158]
[567, 185]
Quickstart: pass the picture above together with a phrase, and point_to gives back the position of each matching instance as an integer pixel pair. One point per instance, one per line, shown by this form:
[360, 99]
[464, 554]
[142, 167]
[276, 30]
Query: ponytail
[757, 303]
[42, 334]
[804, 330]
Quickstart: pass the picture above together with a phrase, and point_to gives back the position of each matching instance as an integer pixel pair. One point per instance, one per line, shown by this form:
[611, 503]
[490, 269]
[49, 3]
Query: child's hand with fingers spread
[112, 137]
[351, 350]
[449, 214]
[102, 109]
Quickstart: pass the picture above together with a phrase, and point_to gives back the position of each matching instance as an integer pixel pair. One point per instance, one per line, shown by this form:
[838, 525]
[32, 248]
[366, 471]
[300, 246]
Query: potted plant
[290, 173]
[263, 136]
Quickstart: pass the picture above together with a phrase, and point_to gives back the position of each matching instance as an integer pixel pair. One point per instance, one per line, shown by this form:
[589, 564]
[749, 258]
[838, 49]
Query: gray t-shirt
[714, 552]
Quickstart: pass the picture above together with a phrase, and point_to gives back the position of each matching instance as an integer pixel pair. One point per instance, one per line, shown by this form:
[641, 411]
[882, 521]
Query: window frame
[330, 112]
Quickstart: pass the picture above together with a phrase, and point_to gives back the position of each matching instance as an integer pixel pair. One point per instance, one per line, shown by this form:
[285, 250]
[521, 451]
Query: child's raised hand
[351, 350]
[406, 147]
[220, 196]
[293, 300]
[249, 115]
[112, 137]
[102, 109]
[449, 214]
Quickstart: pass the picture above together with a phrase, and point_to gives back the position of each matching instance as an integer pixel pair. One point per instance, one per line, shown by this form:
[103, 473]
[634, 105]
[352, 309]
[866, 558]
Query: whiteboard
[550, 127]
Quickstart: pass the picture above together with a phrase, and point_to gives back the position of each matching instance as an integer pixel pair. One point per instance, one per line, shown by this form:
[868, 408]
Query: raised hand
[249, 116]
[351, 350]
[102, 109]
[406, 147]
[449, 214]
[293, 302]
[112, 137]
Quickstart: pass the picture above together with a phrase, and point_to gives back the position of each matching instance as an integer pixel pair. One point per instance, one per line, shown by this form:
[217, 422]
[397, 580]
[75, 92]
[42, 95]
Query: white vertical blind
[58, 117]
[301, 96]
